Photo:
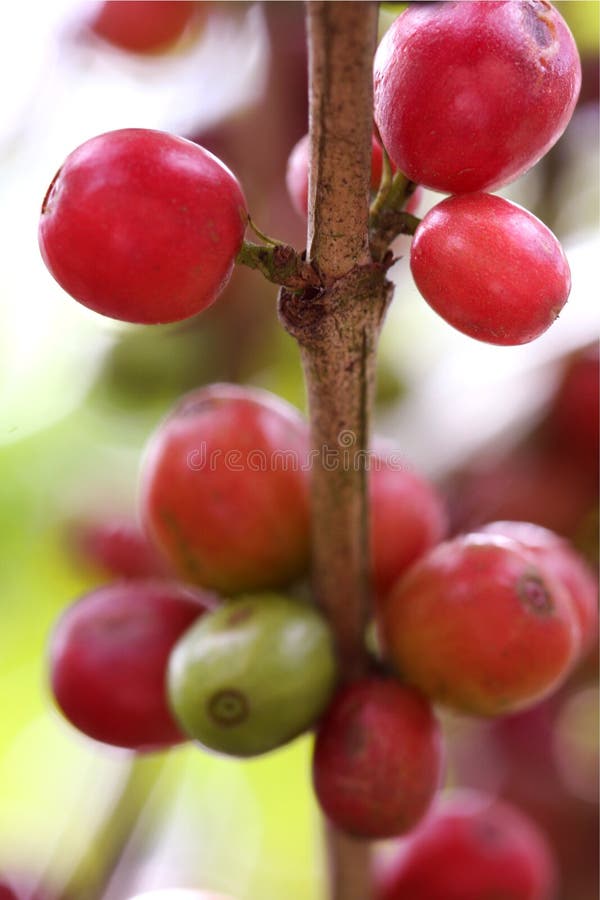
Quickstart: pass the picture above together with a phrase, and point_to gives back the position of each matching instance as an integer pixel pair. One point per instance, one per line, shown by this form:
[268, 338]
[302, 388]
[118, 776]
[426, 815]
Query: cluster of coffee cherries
[469, 96]
[218, 641]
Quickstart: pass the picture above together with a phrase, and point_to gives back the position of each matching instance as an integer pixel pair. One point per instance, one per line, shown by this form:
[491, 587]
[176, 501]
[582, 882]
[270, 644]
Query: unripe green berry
[258, 673]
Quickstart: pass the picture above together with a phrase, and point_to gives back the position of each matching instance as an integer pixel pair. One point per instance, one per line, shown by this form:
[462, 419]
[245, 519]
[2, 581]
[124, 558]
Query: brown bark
[337, 326]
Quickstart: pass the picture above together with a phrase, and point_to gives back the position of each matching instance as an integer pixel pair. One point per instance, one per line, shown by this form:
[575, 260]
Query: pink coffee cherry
[468, 96]
[490, 268]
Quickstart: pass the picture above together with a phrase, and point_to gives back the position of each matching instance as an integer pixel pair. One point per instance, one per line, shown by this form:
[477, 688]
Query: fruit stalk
[337, 327]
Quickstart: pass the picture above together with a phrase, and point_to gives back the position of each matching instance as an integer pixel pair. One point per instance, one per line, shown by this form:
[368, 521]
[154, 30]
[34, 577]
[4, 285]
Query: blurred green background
[81, 395]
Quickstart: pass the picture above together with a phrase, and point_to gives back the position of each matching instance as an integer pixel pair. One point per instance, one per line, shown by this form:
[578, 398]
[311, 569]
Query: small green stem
[280, 264]
[264, 237]
[388, 225]
[384, 185]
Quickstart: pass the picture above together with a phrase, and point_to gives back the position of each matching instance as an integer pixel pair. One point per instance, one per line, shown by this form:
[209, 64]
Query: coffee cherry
[142, 226]
[490, 268]
[468, 96]
[108, 659]
[556, 557]
[479, 625]
[407, 518]
[146, 26]
[116, 548]
[223, 491]
[377, 758]
[252, 675]
[471, 847]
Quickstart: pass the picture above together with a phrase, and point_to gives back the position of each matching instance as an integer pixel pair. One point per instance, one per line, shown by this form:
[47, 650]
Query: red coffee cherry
[471, 847]
[556, 557]
[116, 548]
[468, 96]
[407, 519]
[490, 268]
[224, 489]
[109, 655]
[377, 758]
[479, 625]
[146, 26]
[142, 226]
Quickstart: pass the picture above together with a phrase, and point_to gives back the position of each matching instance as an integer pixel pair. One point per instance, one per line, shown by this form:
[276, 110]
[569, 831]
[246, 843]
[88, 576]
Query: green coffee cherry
[252, 675]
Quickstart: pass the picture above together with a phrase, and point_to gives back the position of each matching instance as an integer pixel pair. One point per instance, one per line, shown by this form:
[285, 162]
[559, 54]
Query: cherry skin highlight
[478, 625]
[471, 847]
[224, 489]
[109, 655]
[377, 758]
[142, 226]
[490, 268]
[146, 26]
[468, 96]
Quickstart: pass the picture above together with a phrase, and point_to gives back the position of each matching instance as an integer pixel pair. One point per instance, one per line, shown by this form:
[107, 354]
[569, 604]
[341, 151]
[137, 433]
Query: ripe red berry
[556, 557]
[224, 489]
[478, 625]
[117, 548]
[296, 178]
[146, 26]
[471, 847]
[490, 268]
[407, 519]
[377, 758]
[142, 226]
[108, 660]
[468, 96]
